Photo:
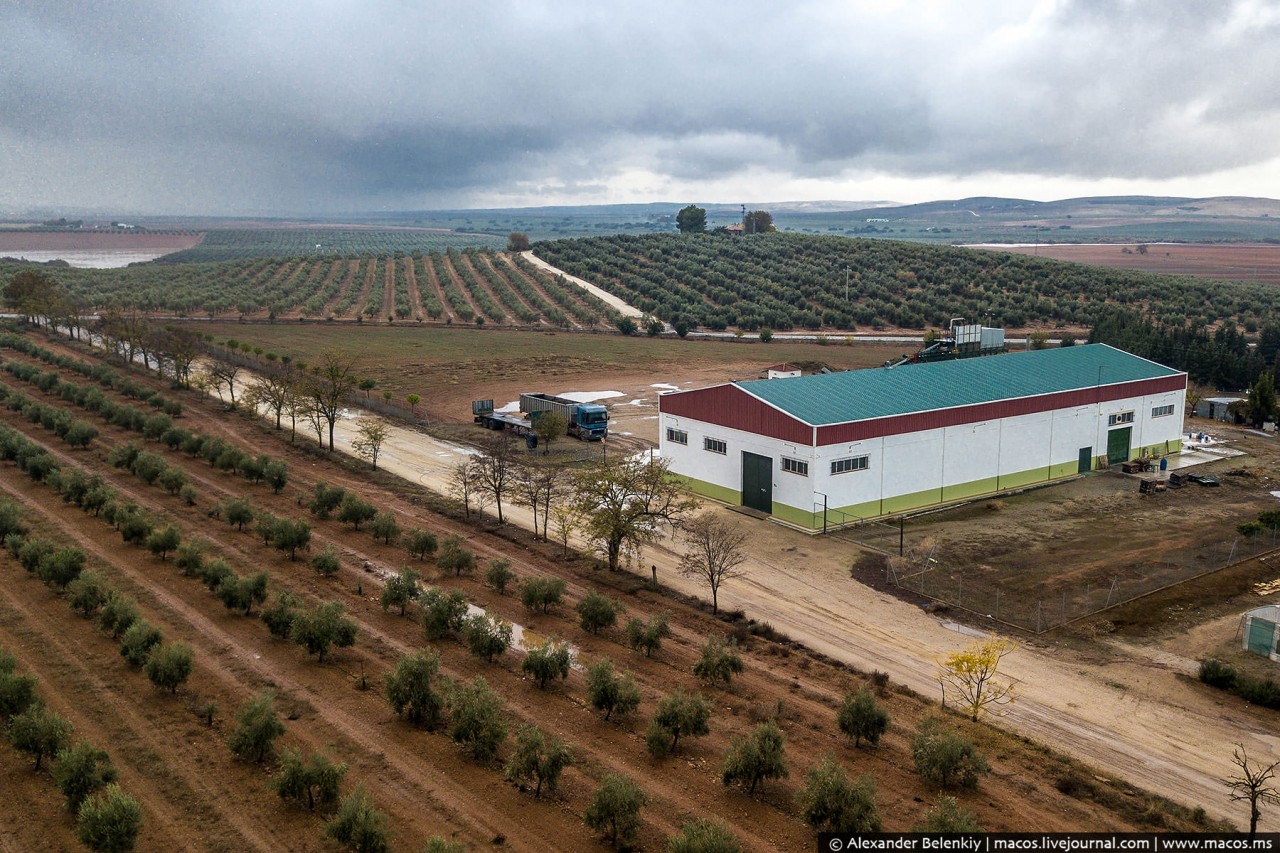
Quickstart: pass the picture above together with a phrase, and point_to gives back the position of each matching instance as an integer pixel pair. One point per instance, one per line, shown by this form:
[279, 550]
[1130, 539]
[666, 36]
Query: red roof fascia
[730, 406]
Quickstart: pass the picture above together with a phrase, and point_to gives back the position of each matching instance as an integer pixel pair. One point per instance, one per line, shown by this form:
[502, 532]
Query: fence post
[1038, 628]
[902, 533]
[1114, 581]
[997, 602]
[1064, 606]
[960, 594]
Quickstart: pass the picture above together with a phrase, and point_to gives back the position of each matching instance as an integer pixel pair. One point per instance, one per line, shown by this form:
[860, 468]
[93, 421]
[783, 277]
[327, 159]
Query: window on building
[1121, 418]
[677, 436]
[853, 463]
[715, 445]
[795, 466]
[1161, 411]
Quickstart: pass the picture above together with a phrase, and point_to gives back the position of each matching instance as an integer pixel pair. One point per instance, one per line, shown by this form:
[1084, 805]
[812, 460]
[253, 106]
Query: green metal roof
[855, 395]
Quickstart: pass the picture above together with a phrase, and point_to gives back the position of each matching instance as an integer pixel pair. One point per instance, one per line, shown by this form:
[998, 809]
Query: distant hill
[1095, 219]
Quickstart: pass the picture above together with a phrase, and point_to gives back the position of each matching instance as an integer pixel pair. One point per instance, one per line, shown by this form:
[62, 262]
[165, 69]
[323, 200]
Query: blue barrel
[1164, 463]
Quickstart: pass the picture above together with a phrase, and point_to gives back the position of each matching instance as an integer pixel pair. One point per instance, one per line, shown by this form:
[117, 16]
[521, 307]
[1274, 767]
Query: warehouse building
[830, 449]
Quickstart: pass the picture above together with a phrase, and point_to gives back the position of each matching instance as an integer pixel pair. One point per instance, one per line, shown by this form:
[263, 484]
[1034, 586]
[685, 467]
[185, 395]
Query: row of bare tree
[619, 505]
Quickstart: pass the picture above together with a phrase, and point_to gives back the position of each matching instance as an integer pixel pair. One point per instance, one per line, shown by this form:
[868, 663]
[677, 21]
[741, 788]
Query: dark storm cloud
[240, 106]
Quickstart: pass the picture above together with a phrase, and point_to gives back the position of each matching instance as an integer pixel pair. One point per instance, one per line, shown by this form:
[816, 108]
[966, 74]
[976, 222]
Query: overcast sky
[244, 106]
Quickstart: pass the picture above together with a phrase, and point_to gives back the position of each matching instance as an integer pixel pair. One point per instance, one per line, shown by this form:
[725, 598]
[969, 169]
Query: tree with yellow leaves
[971, 674]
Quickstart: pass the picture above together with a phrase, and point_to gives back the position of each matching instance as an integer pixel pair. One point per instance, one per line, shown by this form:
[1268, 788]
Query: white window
[1122, 418]
[853, 463]
[677, 436]
[1161, 411]
[715, 445]
[795, 466]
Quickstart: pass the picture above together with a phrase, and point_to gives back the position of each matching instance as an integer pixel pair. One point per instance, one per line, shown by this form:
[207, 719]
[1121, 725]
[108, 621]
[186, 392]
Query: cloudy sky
[244, 106]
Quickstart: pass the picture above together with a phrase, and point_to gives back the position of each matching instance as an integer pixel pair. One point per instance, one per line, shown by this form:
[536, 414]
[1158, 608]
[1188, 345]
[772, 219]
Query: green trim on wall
[1018, 479]
[1063, 469]
[798, 517]
[897, 504]
[915, 500]
[960, 491]
[711, 490]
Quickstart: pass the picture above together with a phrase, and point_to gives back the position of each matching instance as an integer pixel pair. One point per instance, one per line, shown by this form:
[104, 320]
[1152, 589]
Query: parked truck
[587, 421]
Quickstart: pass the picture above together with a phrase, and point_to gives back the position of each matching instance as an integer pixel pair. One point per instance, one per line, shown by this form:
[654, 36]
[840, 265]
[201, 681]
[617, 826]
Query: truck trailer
[587, 421]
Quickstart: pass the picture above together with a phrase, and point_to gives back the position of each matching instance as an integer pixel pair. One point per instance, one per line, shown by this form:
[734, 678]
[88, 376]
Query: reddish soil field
[1236, 261]
[195, 795]
[42, 241]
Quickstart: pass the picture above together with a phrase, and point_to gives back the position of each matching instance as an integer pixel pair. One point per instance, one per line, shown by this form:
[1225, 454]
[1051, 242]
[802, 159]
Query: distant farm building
[833, 448]
[783, 371]
[1218, 409]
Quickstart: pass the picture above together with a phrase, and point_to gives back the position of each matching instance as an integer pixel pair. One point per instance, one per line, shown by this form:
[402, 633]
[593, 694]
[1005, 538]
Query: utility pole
[846, 284]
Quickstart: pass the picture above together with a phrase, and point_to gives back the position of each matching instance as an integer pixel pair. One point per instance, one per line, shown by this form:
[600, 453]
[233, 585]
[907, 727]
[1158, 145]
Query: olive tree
[755, 758]
[610, 691]
[830, 802]
[109, 821]
[257, 727]
[410, 689]
[538, 758]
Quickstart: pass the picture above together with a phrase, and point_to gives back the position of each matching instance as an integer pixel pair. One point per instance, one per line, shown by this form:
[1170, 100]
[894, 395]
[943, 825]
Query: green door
[757, 482]
[1118, 445]
[1086, 460]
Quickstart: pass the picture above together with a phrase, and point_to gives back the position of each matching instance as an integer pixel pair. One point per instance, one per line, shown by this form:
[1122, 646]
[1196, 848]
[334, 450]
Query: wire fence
[1004, 597]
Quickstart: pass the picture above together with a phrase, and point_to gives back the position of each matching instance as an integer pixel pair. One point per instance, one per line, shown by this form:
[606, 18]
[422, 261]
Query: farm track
[519, 297]
[434, 283]
[366, 287]
[389, 291]
[464, 259]
[456, 278]
[334, 269]
[348, 279]
[421, 779]
[415, 296]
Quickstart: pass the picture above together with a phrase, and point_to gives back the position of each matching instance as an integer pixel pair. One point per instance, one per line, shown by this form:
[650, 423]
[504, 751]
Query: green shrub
[109, 821]
[945, 757]
[1215, 673]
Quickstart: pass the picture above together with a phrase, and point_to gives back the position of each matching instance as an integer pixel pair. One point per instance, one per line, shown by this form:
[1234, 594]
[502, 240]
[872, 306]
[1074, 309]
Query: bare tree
[369, 439]
[567, 519]
[223, 372]
[181, 347]
[333, 378]
[1252, 784]
[464, 483]
[714, 552]
[274, 391]
[497, 466]
[537, 487]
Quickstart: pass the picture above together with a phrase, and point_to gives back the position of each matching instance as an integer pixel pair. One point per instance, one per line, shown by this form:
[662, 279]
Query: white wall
[692, 460]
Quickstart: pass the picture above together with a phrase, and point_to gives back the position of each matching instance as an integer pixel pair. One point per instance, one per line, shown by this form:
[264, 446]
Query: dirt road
[622, 307]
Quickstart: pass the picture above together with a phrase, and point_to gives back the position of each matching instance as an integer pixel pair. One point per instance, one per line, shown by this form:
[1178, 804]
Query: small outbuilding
[1258, 631]
[831, 449]
[1218, 409]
